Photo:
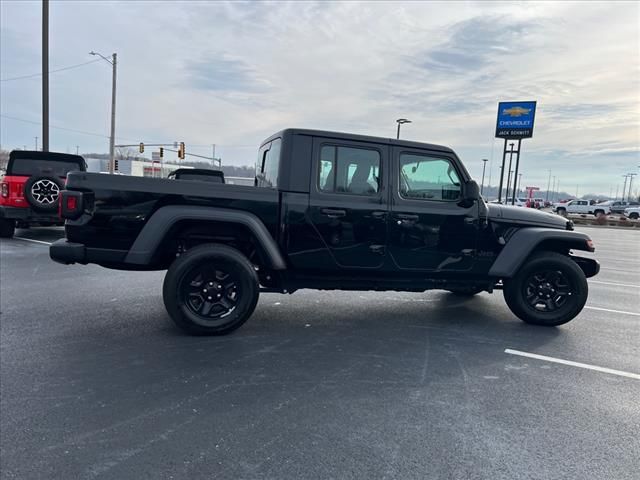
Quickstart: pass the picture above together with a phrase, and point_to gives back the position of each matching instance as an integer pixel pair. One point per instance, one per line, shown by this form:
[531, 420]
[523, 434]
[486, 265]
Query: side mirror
[471, 193]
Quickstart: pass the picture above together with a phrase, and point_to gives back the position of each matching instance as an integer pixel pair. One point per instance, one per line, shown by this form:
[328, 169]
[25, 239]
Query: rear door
[347, 202]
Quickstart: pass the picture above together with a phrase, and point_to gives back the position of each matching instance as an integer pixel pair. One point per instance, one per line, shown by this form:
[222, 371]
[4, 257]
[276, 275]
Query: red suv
[29, 190]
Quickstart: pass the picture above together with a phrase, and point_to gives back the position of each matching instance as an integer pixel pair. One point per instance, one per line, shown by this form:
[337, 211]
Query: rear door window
[28, 167]
[268, 165]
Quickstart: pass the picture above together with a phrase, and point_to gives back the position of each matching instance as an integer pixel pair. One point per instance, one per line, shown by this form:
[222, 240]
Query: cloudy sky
[232, 73]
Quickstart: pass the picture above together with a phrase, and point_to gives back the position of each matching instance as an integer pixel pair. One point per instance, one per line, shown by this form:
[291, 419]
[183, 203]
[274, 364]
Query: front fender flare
[156, 228]
[526, 240]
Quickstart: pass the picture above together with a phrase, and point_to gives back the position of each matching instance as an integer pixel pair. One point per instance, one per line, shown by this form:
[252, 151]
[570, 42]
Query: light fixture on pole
[484, 165]
[401, 121]
[113, 62]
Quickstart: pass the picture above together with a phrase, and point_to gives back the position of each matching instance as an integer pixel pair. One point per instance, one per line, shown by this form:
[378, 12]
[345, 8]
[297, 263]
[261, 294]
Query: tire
[42, 192]
[633, 216]
[598, 213]
[465, 291]
[213, 269]
[562, 212]
[558, 303]
[7, 228]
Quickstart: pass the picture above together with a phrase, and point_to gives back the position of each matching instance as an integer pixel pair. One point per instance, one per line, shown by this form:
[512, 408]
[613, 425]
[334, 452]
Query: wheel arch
[527, 241]
[170, 221]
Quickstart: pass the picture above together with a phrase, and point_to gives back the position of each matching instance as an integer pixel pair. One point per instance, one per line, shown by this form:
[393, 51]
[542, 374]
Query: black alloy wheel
[210, 293]
[549, 289]
[210, 289]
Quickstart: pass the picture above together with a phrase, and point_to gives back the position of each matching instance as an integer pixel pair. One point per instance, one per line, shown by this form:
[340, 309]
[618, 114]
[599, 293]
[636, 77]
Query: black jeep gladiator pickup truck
[327, 211]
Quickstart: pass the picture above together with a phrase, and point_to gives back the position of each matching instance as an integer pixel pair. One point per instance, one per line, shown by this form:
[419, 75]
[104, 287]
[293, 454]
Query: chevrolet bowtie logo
[516, 111]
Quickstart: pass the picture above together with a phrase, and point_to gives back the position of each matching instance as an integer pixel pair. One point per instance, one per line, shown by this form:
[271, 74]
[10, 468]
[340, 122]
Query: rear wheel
[7, 227]
[562, 211]
[634, 215]
[598, 213]
[550, 289]
[210, 290]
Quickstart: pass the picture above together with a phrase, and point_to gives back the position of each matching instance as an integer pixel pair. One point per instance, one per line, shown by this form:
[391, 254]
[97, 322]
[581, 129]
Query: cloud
[231, 73]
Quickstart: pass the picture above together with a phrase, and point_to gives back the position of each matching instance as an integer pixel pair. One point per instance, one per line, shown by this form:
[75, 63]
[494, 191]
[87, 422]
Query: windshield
[26, 166]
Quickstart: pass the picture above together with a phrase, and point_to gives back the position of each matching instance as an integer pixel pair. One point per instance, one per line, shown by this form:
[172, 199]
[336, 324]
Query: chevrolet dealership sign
[515, 119]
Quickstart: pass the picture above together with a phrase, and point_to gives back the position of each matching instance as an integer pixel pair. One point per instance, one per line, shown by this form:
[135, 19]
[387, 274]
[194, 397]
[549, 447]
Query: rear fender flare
[527, 240]
[157, 227]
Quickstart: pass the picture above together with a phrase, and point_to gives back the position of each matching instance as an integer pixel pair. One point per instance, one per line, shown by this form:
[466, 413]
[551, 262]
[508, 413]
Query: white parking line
[573, 364]
[32, 240]
[614, 284]
[613, 311]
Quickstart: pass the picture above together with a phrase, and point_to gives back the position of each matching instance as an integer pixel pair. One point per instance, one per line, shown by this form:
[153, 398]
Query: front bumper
[590, 266]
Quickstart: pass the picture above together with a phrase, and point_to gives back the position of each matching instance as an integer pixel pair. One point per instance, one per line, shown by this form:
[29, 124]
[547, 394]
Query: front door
[347, 204]
[428, 229]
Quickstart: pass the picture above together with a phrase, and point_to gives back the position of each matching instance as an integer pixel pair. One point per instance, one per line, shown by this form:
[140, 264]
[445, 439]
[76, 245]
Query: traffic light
[115, 165]
[141, 147]
[181, 151]
[161, 152]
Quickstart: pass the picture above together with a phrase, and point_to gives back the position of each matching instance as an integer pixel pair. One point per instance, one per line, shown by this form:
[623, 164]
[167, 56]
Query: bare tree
[125, 153]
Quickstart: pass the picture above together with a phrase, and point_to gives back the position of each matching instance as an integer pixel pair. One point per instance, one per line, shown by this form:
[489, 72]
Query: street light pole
[112, 137]
[519, 183]
[401, 121]
[484, 165]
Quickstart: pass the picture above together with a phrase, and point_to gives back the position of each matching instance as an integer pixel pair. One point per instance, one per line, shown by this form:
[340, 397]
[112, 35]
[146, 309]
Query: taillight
[4, 189]
[72, 203]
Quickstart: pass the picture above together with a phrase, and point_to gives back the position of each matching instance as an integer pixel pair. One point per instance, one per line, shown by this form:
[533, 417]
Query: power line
[63, 128]
[50, 71]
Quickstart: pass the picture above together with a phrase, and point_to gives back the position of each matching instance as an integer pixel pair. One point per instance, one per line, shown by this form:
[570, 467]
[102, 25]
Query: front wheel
[598, 213]
[562, 212]
[633, 216]
[210, 290]
[550, 289]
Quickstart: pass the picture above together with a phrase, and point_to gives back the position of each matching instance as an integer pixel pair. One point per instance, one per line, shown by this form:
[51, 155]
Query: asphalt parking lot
[96, 382]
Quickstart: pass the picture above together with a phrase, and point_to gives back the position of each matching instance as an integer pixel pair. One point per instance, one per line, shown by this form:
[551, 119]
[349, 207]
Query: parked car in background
[632, 212]
[30, 188]
[581, 206]
[538, 203]
[620, 206]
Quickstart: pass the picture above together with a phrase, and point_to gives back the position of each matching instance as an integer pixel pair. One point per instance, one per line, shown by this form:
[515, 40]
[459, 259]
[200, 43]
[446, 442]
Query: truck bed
[121, 205]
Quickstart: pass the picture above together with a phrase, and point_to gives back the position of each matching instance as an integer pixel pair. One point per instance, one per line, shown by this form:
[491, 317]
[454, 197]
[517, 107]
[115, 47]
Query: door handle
[333, 213]
[378, 214]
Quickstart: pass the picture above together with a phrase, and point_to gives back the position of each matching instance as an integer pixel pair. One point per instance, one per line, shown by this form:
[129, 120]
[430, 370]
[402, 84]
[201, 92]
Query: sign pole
[504, 157]
[515, 177]
[506, 197]
[515, 122]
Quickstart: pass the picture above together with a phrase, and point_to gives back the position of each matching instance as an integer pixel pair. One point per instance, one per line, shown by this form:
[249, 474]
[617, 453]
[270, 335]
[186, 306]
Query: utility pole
[45, 76]
[77, 149]
[548, 184]
[112, 138]
[631, 175]
[624, 187]
[484, 165]
[36, 143]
